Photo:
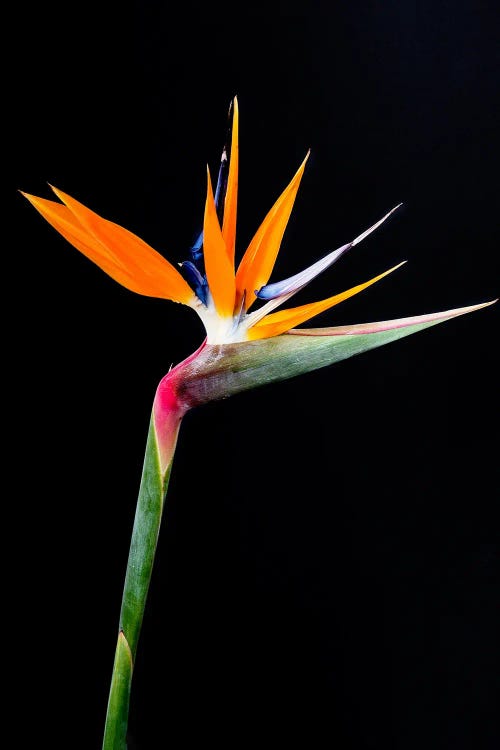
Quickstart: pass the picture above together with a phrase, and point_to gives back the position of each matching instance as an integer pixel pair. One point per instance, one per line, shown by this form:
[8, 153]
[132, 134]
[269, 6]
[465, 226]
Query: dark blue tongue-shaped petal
[196, 280]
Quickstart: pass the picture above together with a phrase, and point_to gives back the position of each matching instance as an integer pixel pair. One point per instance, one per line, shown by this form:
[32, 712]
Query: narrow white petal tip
[371, 229]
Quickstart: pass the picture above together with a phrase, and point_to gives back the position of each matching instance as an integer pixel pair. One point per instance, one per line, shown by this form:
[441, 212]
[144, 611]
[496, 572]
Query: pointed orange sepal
[219, 269]
[258, 261]
[230, 202]
[279, 322]
[121, 254]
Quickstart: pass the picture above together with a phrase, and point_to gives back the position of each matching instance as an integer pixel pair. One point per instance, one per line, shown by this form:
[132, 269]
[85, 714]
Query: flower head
[249, 342]
[235, 304]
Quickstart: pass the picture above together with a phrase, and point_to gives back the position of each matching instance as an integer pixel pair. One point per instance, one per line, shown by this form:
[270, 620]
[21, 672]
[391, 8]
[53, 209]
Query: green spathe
[219, 371]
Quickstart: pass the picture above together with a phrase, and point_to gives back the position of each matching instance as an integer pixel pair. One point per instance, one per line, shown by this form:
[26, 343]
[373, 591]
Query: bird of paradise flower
[244, 347]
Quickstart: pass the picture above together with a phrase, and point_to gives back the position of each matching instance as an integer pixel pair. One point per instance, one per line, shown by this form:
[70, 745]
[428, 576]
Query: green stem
[154, 483]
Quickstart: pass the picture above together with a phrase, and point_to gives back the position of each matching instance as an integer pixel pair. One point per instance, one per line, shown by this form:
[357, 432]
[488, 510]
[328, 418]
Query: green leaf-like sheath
[221, 371]
[115, 733]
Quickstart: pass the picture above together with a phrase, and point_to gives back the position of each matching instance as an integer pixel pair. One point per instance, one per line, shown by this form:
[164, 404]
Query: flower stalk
[151, 500]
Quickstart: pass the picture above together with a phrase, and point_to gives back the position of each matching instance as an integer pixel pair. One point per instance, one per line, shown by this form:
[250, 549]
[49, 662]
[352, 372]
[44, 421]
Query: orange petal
[219, 269]
[230, 201]
[258, 261]
[150, 273]
[279, 322]
[63, 220]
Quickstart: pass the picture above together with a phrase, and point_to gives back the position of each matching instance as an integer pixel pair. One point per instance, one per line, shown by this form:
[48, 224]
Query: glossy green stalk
[143, 544]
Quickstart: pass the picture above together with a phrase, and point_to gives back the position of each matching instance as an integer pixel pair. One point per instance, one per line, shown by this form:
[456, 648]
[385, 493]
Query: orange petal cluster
[133, 263]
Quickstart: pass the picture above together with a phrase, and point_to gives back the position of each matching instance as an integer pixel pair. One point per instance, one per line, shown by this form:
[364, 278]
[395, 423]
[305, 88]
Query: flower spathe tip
[387, 325]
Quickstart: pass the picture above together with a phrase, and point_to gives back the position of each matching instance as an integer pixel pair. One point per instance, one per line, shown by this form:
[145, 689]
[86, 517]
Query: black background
[328, 566]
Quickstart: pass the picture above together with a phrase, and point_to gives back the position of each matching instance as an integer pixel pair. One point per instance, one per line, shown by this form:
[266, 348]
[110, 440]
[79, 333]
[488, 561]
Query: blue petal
[196, 280]
[294, 283]
[196, 249]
